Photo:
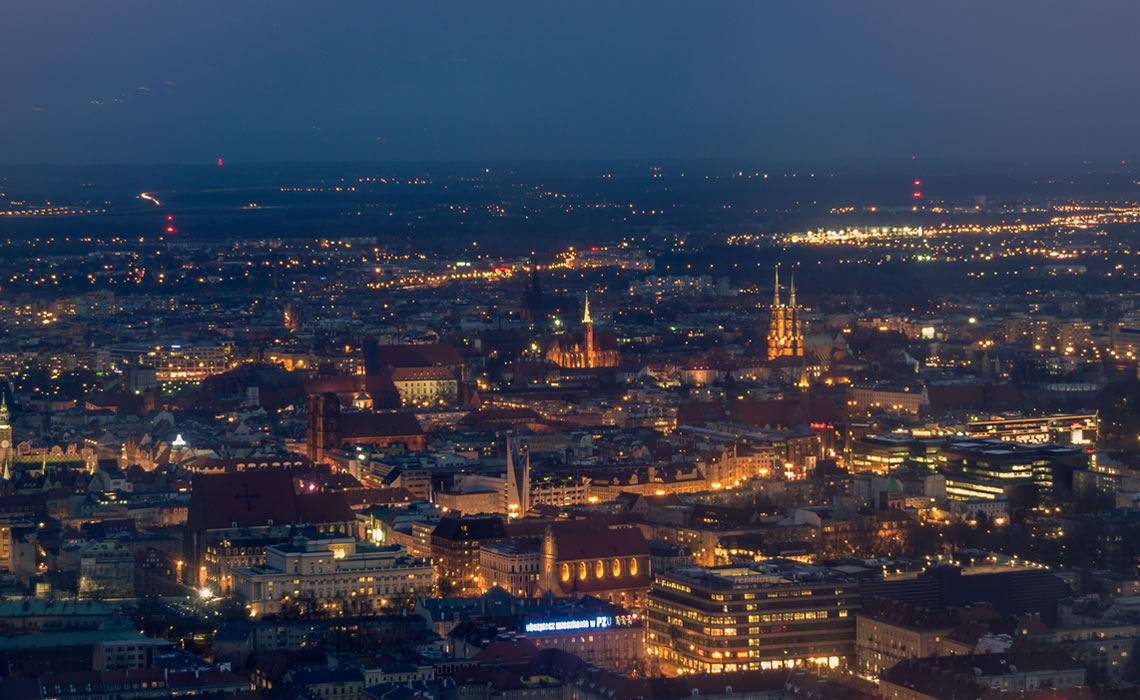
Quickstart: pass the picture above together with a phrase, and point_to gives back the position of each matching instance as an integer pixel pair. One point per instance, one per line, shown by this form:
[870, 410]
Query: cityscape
[360, 426]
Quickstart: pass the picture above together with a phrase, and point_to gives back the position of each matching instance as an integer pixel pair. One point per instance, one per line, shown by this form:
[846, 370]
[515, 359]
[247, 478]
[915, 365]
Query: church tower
[785, 327]
[518, 477]
[324, 425]
[588, 334]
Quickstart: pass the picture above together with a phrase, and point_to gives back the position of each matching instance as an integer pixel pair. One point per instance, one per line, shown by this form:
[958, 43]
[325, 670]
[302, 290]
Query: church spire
[792, 298]
[776, 291]
[4, 417]
[586, 314]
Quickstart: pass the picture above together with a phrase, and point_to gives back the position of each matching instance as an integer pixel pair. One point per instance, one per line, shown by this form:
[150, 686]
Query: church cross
[248, 497]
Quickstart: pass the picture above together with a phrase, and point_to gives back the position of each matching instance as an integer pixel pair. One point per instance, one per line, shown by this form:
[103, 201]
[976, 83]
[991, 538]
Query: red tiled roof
[417, 355]
[944, 397]
[380, 497]
[507, 652]
[364, 425]
[248, 498]
[594, 585]
[413, 374]
[331, 507]
[536, 527]
[233, 464]
[698, 413]
[578, 544]
[492, 416]
[349, 384]
[786, 412]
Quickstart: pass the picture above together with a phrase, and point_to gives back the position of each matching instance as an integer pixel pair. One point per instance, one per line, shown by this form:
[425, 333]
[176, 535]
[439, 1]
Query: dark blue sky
[132, 81]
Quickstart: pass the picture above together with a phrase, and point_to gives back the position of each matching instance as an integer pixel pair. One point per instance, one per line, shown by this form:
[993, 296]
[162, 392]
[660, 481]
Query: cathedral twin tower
[785, 328]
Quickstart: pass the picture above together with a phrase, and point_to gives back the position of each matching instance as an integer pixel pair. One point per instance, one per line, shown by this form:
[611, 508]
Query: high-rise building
[785, 327]
[768, 615]
[6, 449]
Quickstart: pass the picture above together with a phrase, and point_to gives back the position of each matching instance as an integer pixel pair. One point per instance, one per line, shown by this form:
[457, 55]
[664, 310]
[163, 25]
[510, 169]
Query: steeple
[776, 290]
[5, 419]
[792, 298]
[586, 314]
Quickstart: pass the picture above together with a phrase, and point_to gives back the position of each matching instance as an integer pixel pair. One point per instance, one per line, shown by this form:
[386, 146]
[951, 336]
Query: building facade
[332, 575]
[584, 350]
[769, 615]
[785, 326]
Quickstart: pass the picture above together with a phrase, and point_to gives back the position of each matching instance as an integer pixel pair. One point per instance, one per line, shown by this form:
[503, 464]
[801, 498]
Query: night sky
[126, 81]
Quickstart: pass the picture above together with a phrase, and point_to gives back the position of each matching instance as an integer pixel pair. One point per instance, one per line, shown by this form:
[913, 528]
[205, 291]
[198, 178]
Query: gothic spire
[776, 291]
[586, 314]
[792, 298]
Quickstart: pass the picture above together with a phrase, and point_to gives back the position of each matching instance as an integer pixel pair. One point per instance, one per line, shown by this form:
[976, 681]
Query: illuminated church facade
[785, 327]
[586, 349]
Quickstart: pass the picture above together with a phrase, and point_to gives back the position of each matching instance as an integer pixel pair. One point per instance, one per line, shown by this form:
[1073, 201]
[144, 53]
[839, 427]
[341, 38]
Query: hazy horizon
[134, 82]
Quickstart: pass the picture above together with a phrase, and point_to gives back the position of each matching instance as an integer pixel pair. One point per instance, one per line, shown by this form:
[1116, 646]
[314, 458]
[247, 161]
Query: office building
[775, 614]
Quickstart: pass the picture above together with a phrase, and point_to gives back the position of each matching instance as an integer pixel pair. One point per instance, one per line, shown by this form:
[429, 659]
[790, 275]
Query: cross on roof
[248, 497]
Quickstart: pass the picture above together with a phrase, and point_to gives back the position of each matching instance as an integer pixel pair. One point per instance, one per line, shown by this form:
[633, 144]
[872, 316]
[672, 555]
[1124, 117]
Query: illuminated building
[224, 555]
[517, 488]
[785, 327]
[425, 385]
[106, 570]
[585, 350]
[559, 490]
[329, 428]
[6, 446]
[886, 632]
[611, 564]
[1032, 672]
[883, 397]
[977, 469]
[603, 635]
[290, 316]
[174, 362]
[332, 574]
[1077, 429]
[237, 507]
[769, 615]
[881, 454]
[455, 546]
[1125, 341]
[513, 565]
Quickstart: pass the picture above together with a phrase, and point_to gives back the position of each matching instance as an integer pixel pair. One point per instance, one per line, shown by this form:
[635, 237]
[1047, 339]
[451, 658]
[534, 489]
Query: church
[586, 349]
[785, 327]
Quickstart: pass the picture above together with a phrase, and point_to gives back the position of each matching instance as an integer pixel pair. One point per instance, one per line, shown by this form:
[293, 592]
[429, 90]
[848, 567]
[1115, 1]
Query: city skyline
[501, 351]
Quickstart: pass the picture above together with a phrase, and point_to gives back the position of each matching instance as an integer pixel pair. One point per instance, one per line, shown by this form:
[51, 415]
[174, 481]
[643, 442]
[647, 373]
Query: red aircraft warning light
[170, 229]
[219, 162]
